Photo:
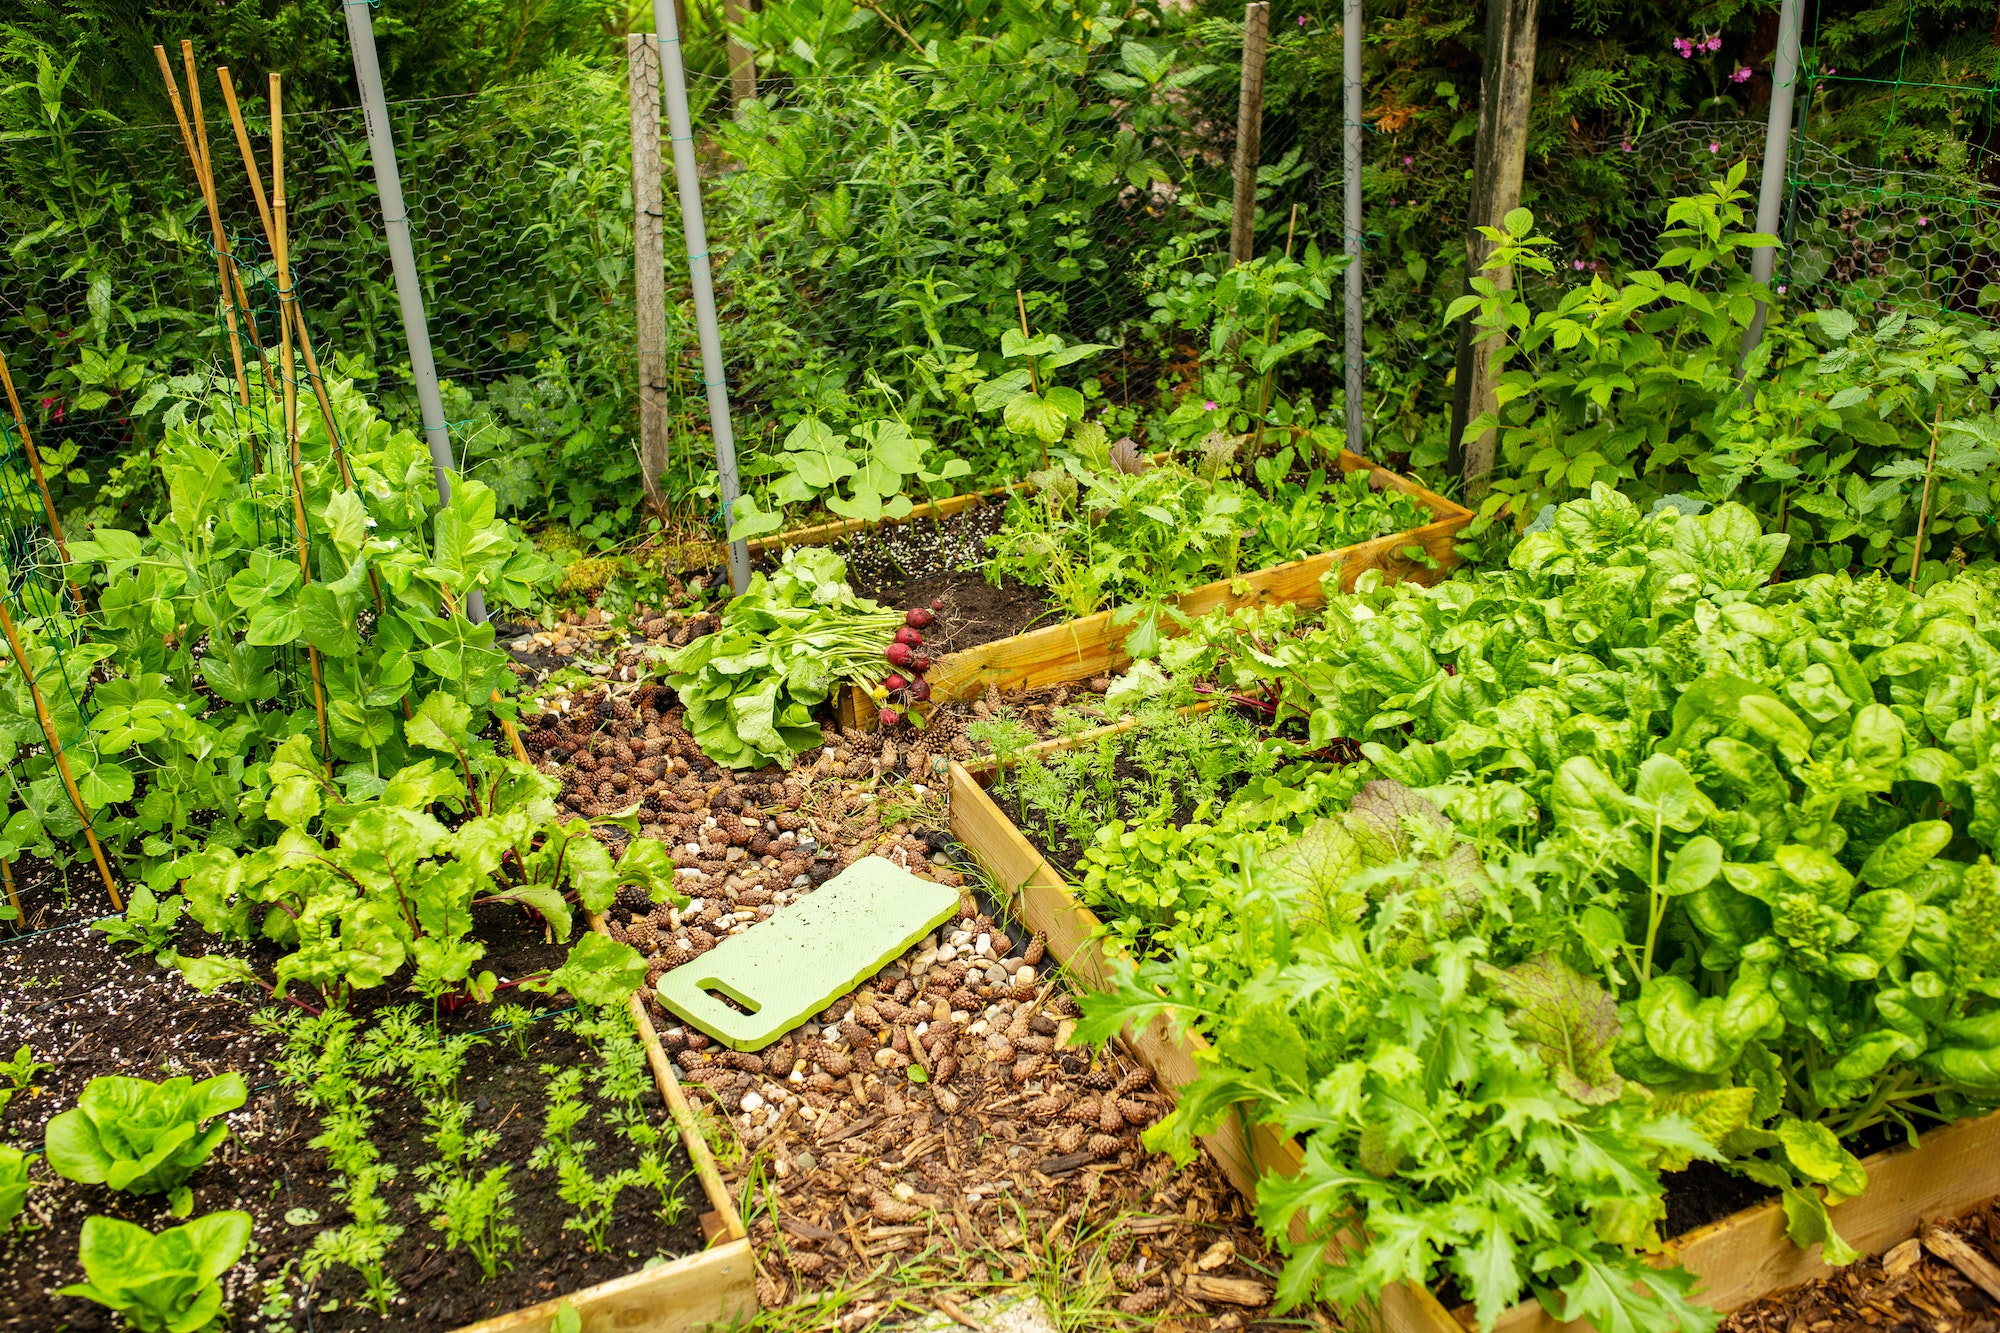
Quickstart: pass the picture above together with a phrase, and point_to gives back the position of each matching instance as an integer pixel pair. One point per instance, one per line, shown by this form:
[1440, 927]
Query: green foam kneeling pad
[790, 966]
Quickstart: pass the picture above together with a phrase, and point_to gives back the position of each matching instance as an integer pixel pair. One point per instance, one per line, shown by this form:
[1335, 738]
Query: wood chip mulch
[1946, 1281]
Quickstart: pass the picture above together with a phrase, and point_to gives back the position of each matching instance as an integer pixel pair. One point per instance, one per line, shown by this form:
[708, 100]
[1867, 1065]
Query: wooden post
[742, 65]
[1249, 131]
[49, 734]
[1507, 85]
[649, 262]
[41, 481]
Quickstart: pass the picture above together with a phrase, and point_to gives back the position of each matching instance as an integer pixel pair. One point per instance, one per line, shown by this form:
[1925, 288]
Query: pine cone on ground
[1105, 1145]
[1137, 1114]
[889, 1209]
[1071, 1137]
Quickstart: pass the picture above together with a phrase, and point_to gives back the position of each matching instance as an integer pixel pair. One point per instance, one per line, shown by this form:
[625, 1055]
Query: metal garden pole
[680, 129]
[396, 223]
[1777, 158]
[1350, 43]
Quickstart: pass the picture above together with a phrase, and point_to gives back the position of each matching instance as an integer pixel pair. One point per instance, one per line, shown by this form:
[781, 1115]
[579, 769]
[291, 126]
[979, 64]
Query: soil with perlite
[91, 1009]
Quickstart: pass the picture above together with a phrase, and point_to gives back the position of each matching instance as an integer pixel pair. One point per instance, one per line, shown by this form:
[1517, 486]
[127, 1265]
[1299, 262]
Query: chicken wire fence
[868, 224]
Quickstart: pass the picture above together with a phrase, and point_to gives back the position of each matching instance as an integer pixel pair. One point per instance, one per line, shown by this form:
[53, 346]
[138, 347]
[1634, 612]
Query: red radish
[898, 654]
[920, 664]
[909, 636]
[894, 683]
[890, 717]
[918, 618]
[921, 691]
[937, 604]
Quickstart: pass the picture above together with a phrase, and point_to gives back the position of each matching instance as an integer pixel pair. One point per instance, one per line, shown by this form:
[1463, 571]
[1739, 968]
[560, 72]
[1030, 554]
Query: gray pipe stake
[396, 223]
[680, 129]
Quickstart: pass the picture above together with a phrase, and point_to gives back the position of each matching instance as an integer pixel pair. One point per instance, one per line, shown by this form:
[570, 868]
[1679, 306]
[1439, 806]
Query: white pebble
[983, 945]
[947, 953]
[752, 1103]
[1025, 977]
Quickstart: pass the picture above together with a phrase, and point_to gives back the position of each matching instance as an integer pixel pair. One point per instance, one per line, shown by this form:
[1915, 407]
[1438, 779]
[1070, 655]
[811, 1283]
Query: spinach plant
[143, 1137]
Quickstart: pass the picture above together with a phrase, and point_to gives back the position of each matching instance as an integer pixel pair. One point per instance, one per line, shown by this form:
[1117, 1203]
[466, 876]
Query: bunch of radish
[906, 684]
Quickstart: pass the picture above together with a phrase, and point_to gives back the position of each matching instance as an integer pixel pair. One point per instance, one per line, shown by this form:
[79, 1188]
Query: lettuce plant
[165, 1283]
[143, 1137]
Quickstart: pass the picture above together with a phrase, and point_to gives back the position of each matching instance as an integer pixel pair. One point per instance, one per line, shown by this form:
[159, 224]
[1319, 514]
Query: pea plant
[208, 648]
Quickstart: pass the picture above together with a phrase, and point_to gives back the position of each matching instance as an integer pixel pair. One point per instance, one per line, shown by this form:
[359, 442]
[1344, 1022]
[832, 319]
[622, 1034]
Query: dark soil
[914, 563]
[90, 1010]
[1706, 1193]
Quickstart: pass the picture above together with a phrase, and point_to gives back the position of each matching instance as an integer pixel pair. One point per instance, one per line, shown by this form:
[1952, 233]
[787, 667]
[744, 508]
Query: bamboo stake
[13, 895]
[290, 310]
[41, 482]
[296, 320]
[288, 372]
[1924, 509]
[204, 180]
[56, 753]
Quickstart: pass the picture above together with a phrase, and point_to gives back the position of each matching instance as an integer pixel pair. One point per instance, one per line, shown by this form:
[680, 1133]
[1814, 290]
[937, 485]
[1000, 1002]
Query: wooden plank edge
[714, 1286]
[687, 1119]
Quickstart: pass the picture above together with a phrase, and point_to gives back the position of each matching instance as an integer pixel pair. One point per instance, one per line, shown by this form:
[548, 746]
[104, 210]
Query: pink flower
[1781, 289]
[1684, 46]
[1302, 20]
[1714, 147]
[1208, 406]
[1625, 146]
[1923, 221]
[1713, 44]
[1741, 74]
[1406, 159]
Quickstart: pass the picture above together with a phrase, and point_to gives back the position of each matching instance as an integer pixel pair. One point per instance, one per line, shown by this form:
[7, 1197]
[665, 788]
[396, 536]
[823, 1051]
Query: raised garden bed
[1739, 1260]
[117, 1024]
[1077, 650]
